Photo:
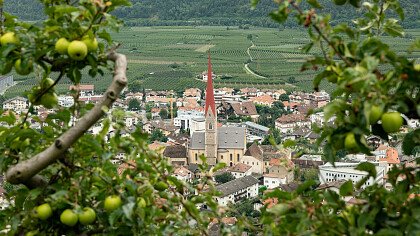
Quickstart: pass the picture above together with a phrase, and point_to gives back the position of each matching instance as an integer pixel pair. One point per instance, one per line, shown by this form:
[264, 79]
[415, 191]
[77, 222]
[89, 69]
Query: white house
[287, 123]
[197, 125]
[65, 101]
[347, 171]
[16, 104]
[184, 118]
[183, 174]
[237, 189]
[205, 76]
[274, 180]
[240, 170]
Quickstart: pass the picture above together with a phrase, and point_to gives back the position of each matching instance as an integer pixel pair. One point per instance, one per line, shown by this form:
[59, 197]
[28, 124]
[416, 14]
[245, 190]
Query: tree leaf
[346, 189]
[368, 167]
[411, 140]
[315, 4]
[128, 210]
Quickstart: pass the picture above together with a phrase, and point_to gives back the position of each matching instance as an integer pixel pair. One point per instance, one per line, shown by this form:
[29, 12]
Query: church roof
[227, 137]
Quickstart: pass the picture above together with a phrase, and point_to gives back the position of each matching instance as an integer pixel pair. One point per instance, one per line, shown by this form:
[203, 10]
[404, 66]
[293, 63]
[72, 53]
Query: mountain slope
[208, 12]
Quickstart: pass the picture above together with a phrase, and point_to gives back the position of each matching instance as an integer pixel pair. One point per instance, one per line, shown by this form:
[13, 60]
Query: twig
[293, 3]
[25, 170]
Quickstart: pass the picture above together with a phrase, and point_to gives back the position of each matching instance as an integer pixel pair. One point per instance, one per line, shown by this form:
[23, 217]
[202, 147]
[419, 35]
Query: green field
[164, 58]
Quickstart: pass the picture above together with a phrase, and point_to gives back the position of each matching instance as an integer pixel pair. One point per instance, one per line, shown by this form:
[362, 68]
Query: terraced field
[173, 57]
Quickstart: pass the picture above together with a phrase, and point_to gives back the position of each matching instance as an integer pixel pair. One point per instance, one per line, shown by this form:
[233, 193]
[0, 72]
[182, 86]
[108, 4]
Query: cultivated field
[173, 57]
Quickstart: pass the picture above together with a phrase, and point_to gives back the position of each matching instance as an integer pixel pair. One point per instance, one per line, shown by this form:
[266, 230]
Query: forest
[216, 12]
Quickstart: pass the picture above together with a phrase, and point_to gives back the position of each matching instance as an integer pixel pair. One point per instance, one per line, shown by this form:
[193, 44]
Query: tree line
[202, 12]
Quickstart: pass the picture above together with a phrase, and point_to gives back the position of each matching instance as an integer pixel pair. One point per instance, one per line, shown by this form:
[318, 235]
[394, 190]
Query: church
[217, 144]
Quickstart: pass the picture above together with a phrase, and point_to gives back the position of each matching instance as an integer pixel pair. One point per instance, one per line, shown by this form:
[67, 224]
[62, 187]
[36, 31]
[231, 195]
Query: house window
[210, 126]
[238, 157]
[221, 157]
[196, 157]
[231, 157]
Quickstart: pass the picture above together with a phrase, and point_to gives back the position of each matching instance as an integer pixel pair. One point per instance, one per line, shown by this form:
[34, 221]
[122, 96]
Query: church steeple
[211, 120]
[210, 104]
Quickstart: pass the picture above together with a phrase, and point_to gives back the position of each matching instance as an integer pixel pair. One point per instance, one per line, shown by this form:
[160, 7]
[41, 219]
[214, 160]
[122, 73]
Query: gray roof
[236, 185]
[227, 137]
[257, 126]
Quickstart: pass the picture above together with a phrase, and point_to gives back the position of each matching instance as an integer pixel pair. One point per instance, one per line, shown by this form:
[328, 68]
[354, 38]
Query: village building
[238, 109]
[137, 96]
[346, 171]
[388, 155]
[16, 104]
[176, 154]
[84, 90]
[256, 129]
[240, 170]
[237, 190]
[183, 174]
[265, 100]
[308, 161]
[194, 93]
[287, 123]
[280, 171]
[184, 117]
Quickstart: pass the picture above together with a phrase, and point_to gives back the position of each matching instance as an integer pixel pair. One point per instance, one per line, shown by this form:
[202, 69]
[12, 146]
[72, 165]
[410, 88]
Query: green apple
[43, 211]
[23, 71]
[92, 44]
[392, 121]
[49, 100]
[62, 45]
[112, 202]
[9, 38]
[88, 216]
[32, 233]
[375, 114]
[77, 50]
[68, 217]
[47, 82]
[141, 202]
[350, 142]
[7, 67]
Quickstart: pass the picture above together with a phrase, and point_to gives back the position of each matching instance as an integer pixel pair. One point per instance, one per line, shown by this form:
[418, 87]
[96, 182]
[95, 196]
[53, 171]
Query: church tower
[211, 120]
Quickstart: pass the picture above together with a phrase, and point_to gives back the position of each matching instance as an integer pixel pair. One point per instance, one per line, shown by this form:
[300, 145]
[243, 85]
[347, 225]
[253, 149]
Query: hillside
[204, 12]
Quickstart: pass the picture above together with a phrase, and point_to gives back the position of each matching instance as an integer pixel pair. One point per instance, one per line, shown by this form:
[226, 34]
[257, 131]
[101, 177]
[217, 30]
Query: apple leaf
[411, 140]
[347, 188]
[128, 210]
[315, 4]
[368, 167]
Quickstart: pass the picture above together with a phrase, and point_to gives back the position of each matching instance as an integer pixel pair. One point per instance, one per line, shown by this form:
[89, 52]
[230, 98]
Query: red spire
[209, 91]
